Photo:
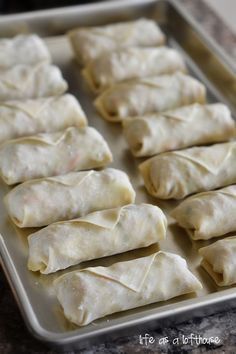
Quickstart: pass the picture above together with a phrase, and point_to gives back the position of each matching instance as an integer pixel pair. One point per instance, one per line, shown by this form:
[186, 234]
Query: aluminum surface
[34, 292]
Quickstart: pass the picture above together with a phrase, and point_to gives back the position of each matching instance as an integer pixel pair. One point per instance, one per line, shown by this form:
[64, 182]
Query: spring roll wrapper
[177, 174]
[219, 260]
[180, 128]
[149, 95]
[208, 214]
[53, 154]
[41, 202]
[93, 293]
[99, 234]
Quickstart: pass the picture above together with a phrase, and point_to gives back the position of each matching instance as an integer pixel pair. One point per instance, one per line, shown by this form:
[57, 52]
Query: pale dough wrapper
[90, 42]
[131, 63]
[180, 128]
[208, 214]
[149, 95]
[40, 115]
[219, 260]
[41, 202]
[95, 292]
[23, 49]
[99, 234]
[31, 81]
[177, 174]
[53, 154]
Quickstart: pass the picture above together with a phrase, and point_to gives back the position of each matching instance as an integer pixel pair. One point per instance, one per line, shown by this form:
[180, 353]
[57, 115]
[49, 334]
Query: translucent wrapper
[99, 234]
[40, 115]
[208, 214]
[180, 128]
[177, 174]
[90, 42]
[219, 260]
[53, 154]
[31, 81]
[92, 293]
[41, 202]
[131, 63]
[26, 49]
[149, 95]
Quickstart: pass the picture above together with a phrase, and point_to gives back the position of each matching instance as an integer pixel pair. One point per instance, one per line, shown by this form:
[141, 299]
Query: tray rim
[5, 260]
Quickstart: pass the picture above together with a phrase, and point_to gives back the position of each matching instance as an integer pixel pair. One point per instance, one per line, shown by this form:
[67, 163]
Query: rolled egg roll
[95, 292]
[40, 115]
[31, 81]
[53, 154]
[219, 260]
[41, 202]
[99, 234]
[90, 42]
[177, 174]
[149, 95]
[23, 49]
[180, 128]
[208, 214]
[131, 63]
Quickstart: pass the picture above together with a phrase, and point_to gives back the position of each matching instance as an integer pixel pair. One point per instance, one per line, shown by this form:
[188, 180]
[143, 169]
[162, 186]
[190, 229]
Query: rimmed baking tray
[34, 292]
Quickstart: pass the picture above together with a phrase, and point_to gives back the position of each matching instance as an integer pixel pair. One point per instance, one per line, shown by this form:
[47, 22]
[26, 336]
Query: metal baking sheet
[34, 292]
